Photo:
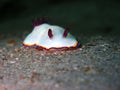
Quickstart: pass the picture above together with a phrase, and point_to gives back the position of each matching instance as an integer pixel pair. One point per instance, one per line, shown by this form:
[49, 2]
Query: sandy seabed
[94, 66]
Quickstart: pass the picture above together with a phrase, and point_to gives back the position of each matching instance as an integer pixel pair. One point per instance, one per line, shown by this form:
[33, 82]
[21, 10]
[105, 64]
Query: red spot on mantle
[66, 32]
[50, 34]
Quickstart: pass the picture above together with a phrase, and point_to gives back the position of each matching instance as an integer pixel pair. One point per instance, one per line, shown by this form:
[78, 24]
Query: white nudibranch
[48, 37]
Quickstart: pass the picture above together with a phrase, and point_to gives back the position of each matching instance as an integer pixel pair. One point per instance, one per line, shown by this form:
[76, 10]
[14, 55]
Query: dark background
[82, 16]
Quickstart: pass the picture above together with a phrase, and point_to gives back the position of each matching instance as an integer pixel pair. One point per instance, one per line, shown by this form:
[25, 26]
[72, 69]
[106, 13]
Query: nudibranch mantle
[50, 36]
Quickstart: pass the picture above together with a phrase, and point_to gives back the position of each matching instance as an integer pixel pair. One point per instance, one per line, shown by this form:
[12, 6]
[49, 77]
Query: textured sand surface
[94, 66]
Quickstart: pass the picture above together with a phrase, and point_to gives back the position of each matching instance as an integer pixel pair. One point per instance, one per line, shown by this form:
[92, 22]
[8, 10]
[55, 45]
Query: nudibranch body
[48, 36]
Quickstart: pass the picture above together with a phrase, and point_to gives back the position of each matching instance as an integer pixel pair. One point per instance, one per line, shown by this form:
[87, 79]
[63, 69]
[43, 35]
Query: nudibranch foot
[40, 48]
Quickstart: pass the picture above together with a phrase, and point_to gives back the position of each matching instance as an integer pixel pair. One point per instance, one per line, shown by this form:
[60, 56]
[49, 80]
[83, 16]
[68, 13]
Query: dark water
[82, 16]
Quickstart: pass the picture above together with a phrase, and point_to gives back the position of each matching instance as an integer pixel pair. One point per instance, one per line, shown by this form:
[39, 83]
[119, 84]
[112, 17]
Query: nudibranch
[46, 36]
